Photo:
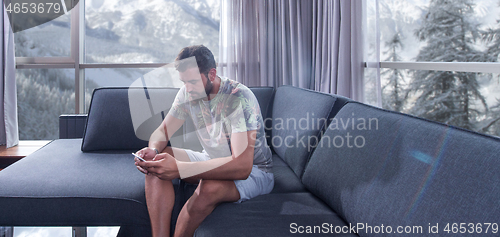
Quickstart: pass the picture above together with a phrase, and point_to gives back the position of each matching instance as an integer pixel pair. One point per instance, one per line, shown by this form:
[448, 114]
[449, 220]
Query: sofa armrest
[72, 125]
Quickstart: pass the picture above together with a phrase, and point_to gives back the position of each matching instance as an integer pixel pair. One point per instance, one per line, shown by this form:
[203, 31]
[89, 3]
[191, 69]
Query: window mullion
[482, 67]
[76, 54]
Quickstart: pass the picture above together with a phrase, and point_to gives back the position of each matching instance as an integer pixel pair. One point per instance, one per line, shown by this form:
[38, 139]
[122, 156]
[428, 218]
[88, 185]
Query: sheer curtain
[239, 42]
[9, 134]
[314, 44]
[337, 48]
[285, 43]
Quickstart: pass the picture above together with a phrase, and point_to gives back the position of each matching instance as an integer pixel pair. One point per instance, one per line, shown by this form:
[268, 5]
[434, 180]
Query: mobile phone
[140, 158]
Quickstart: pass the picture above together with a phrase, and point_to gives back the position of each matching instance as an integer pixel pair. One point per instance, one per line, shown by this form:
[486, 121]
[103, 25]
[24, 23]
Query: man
[235, 164]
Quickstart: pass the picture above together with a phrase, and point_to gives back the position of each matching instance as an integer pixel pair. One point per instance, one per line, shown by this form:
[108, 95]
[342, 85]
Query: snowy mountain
[148, 30]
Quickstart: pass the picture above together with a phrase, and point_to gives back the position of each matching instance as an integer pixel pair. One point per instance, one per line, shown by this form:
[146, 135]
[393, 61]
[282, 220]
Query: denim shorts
[258, 182]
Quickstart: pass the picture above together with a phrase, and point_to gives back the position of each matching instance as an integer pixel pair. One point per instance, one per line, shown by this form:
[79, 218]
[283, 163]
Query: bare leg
[160, 198]
[207, 196]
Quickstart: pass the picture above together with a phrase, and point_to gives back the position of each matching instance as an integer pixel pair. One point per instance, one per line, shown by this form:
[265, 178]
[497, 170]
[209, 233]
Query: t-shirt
[234, 109]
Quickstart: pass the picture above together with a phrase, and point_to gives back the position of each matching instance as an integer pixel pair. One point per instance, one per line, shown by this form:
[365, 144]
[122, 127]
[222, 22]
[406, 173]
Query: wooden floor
[13, 154]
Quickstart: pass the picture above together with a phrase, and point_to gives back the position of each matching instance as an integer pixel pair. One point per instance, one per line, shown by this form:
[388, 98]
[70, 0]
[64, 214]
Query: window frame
[77, 58]
[481, 67]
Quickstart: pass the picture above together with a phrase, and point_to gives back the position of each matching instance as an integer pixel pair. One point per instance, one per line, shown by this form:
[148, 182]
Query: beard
[195, 96]
[208, 87]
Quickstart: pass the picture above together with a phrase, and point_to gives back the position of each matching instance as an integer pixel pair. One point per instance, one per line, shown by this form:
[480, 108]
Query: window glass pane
[43, 95]
[51, 39]
[467, 100]
[370, 86]
[441, 31]
[103, 231]
[126, 77]
[148, 31]
[42, 231]
[370, 32]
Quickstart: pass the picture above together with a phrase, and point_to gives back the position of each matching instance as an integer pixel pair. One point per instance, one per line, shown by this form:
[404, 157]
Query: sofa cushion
[285, 181]
[124, 118]
[265, 96]
[404, 170]
[59, 185]
[277, 161]
[340, 101]
[298, 118]
[270, 215]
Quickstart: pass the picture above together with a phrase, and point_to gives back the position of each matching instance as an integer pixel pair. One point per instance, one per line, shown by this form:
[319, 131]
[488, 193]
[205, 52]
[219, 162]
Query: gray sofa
[340, 166]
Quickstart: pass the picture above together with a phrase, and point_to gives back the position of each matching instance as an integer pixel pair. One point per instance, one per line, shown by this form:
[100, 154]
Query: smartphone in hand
[140, 158]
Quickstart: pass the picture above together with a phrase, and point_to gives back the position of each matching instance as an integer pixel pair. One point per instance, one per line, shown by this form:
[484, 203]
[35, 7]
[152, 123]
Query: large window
[436, 59]
[102, 43]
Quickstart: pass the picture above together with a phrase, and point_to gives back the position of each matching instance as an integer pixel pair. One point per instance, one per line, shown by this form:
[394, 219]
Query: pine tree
[492, 125]
[393, 92]
[447, 96]
[43, 95]
[492, 37]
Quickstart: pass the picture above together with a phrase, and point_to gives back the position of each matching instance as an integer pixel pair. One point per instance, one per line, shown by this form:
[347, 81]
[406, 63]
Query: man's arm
[160, 137]
[235, 167]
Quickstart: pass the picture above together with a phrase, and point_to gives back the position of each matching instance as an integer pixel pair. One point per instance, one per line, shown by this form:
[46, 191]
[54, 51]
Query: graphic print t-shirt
[234, 109]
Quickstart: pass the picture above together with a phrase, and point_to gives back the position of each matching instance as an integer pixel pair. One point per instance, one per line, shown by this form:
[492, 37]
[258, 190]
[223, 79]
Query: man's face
[197, 85]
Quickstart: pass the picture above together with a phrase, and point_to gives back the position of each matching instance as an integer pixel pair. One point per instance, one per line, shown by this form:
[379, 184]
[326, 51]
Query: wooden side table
[13, 154]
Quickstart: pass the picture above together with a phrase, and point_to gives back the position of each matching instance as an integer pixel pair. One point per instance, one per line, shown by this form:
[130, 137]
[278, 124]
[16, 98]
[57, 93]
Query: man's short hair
[204, 58]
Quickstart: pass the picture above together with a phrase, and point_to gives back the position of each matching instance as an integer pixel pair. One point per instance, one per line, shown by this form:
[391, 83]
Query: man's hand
[163, 166]
[147, 154]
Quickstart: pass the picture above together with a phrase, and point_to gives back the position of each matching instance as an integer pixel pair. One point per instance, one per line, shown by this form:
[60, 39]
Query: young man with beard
[235, 164]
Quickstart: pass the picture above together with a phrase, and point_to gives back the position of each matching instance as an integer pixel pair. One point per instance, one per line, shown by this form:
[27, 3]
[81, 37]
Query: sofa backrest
[265, 97]
[299, 115]
[340, 101]
[72, 125]
[377, 167]
[110, 124]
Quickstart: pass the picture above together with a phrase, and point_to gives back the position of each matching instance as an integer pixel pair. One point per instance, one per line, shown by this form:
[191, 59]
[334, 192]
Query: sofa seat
[278, 162]
[270, 215]
[285, 180]
[59, 185]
